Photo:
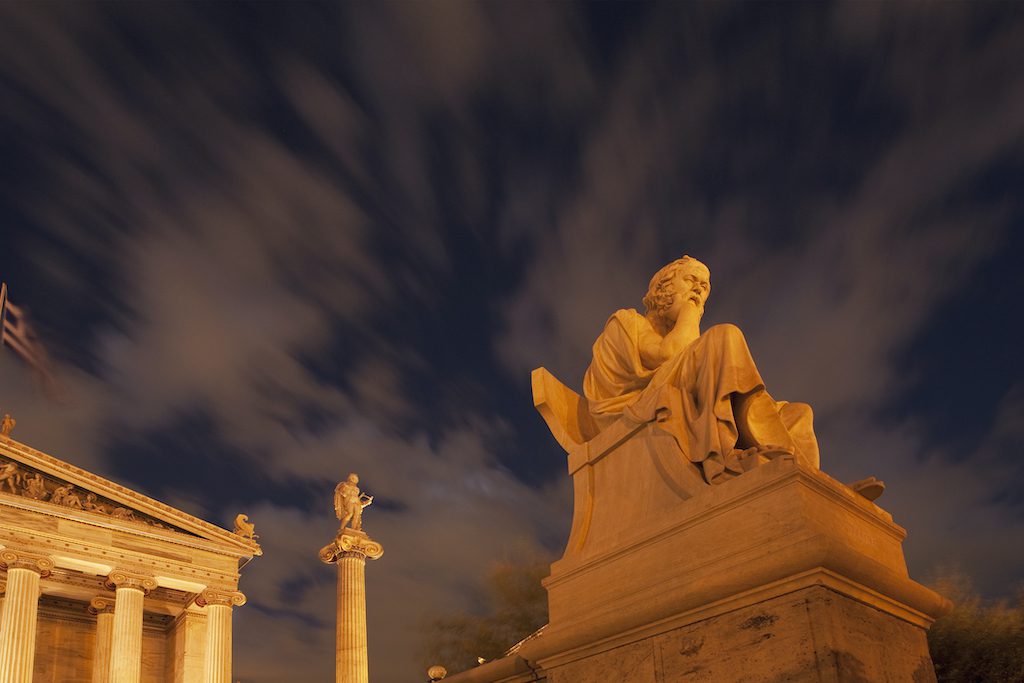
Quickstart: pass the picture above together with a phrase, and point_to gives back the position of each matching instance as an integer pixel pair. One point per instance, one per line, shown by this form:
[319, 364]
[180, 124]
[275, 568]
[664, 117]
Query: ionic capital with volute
[125, 579]
[219, 596]
[19, 559]
[351, 543]
[101, 605]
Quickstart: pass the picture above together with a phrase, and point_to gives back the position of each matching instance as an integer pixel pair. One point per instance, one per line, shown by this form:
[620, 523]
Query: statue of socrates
[726, 410]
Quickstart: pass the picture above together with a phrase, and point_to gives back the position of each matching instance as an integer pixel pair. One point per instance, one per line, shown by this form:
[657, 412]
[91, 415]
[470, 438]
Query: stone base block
[782, 574]
[813, 634]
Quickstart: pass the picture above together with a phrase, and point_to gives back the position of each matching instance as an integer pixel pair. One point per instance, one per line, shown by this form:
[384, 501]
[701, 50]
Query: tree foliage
[977, 642]
[516, 605]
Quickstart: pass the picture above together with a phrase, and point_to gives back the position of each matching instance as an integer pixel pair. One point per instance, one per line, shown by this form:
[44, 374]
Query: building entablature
[37, 481]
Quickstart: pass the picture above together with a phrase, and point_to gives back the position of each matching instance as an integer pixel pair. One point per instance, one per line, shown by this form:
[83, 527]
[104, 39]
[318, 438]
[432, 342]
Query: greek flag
[19, 337]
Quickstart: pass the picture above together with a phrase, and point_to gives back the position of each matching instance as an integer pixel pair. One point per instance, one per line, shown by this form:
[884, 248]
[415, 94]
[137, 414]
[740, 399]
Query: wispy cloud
[344, 242]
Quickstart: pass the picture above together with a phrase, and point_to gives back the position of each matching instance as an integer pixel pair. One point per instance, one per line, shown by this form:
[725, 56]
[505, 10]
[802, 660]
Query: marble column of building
[349, 551]
[20, 612]
[218, 605]
[103, 609]
[126, 630]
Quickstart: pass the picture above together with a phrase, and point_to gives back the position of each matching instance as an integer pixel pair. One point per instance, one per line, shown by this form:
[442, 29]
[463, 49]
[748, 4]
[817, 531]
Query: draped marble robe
[700, 382]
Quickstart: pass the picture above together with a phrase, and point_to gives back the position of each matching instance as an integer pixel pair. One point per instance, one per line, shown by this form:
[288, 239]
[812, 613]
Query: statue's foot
[870, 488]
[759, 455]
[758, 423]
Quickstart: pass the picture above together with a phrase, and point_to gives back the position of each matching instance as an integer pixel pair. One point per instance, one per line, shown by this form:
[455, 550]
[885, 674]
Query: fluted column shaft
[126, 637]
[350, 656]
[349, 551]
[126, 641]
[218, 633]
[20, 612]
[103, 609]
[218, 644]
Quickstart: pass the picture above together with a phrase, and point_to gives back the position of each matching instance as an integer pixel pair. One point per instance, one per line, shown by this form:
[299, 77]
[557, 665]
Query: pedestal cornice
[349, 543]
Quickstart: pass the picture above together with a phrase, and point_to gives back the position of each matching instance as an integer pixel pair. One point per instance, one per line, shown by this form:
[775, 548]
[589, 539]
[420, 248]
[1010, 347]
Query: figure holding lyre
[349, 502]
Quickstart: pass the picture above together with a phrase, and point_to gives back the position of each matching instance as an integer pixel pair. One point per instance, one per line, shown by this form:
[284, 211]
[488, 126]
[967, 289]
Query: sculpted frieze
[17, 479]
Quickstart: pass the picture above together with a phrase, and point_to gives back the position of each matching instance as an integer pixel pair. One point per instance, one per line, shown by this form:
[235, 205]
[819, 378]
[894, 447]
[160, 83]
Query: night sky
[270, 244]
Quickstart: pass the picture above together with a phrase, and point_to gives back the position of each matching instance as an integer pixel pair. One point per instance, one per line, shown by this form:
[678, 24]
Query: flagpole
[3, 306]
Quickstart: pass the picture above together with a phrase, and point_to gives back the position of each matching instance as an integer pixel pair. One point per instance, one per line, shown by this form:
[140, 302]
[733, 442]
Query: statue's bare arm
[656, 349]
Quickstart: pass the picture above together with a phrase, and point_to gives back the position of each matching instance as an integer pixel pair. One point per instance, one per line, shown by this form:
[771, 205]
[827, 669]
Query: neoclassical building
[103, 584]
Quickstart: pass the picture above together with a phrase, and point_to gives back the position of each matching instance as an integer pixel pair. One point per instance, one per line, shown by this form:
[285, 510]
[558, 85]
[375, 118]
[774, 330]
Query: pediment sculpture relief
[20, 480]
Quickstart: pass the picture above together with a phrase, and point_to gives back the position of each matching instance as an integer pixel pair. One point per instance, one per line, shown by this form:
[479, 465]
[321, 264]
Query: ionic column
[18, 634]
[218, 605]
[349, 551]
[103, 609]
[126, 637]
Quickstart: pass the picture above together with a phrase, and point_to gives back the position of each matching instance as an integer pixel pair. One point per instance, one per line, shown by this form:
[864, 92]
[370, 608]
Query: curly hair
[661, 291]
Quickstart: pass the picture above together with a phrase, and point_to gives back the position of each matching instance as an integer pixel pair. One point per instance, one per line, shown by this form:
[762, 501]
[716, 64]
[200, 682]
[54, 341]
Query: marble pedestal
[813, 634]
[782, 574]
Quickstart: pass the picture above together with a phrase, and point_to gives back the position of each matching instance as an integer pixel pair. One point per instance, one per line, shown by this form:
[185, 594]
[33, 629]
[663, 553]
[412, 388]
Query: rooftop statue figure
[724, 414]
[7, 425]
[349, 502]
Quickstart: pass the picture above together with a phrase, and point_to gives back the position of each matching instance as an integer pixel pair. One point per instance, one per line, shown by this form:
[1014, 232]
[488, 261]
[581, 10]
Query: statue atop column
[349, 551]
[349, 502]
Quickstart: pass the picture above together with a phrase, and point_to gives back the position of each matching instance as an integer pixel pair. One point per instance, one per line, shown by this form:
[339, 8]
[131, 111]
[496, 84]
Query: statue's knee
[726, 331]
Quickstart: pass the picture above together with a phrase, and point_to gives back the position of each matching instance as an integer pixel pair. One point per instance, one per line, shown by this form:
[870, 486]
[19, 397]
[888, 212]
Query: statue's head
[685, 280]
[353, 478]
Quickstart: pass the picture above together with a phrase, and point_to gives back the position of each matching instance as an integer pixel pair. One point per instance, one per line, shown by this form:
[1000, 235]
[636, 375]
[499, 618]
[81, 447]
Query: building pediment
[48, 484]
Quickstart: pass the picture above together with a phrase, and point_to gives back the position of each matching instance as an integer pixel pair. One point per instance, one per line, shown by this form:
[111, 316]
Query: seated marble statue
[722, 415]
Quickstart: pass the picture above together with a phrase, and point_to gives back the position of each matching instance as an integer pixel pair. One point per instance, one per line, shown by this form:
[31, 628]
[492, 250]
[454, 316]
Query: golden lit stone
[705, 540]
[349, 551]
[105, 584]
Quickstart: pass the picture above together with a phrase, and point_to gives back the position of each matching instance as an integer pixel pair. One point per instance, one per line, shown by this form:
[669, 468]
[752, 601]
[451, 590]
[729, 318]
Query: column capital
[120, 578]
[220, 596]
[19, 559]
[351, 543]
[101, 604]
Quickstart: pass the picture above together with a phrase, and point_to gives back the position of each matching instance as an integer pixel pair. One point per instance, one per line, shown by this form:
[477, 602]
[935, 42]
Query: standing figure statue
[349, 502]
[724, 413]
[7, 425]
